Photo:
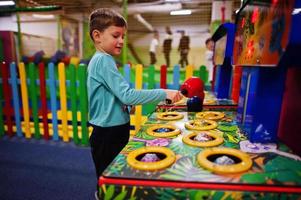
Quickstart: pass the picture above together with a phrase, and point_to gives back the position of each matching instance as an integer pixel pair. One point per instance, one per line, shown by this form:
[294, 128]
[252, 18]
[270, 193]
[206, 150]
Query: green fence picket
[34, 99]
[73, 100]
[203, 73]
[151, 77]
[151, 84]
[83, 101]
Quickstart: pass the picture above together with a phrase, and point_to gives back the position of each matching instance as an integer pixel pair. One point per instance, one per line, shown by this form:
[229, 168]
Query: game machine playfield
[201, 155]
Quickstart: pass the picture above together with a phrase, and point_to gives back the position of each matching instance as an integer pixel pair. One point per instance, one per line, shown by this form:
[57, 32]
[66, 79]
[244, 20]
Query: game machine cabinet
[264, 39]
[223, 39]
[181, 155]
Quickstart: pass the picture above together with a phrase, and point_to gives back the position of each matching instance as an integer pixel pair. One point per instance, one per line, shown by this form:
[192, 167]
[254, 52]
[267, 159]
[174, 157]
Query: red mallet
[193, 86]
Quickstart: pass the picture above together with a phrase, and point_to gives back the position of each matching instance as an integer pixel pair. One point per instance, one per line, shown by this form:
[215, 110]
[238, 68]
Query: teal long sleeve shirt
[109, 92]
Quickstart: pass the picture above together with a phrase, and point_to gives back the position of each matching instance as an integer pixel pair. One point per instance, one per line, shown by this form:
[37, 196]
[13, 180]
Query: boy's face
[110, 40]
[210, 45]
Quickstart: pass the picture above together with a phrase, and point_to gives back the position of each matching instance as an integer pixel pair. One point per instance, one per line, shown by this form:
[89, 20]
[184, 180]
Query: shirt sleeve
[115, 82]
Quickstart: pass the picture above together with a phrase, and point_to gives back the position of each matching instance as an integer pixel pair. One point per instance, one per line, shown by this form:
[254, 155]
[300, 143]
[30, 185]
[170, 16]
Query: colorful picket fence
[38, 101]
[30, 115]
[151, 81]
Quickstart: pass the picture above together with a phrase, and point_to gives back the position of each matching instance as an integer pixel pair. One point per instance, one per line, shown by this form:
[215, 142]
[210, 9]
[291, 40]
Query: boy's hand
[173, 95]
[133, 109]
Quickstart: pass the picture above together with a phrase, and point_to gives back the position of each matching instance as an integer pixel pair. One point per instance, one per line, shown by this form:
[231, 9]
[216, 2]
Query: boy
[109, 93]
[209, 58]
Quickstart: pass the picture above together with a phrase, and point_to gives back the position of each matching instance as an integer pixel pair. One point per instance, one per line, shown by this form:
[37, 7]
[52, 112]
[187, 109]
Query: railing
[50, 102]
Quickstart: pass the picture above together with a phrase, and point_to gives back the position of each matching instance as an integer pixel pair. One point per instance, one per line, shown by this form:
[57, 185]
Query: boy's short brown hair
[209, 40]
[102, 18]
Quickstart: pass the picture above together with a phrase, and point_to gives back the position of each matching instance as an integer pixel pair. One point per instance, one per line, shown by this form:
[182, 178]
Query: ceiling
[153, 12]
[143, 6]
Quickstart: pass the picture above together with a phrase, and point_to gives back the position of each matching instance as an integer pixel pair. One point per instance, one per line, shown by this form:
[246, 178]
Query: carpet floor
[32, 169]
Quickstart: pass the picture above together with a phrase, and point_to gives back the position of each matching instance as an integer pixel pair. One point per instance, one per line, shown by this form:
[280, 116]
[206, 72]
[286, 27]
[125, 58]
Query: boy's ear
[97, 35]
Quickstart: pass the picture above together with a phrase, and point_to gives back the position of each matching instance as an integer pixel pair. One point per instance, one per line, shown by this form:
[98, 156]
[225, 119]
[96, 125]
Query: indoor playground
[235, 134]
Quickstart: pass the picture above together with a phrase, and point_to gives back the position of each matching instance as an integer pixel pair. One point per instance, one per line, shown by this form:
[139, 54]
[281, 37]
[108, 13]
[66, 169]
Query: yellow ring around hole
[151, 130]
[209, 102]
[217, 140]
[164, 116]
[151, 166]
[211, 115]
[212, 125]
[244, 165]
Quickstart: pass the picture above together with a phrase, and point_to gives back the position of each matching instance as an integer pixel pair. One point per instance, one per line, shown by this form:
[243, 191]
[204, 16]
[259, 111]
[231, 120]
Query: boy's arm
[116, 83]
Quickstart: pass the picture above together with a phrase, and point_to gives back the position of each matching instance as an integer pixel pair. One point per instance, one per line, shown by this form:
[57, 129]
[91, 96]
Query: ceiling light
[43, 16]
[7, 3]
[180, 12]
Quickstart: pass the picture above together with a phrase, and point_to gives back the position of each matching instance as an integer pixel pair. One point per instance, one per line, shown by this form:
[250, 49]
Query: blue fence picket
[53, 102]
[176, 77]
[127, 73]
[15, 92]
